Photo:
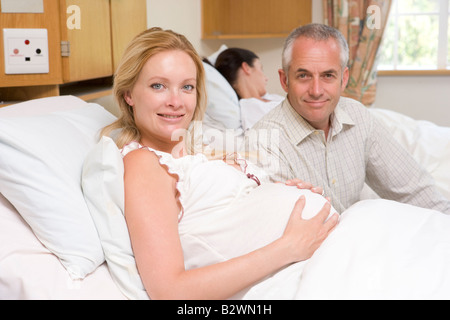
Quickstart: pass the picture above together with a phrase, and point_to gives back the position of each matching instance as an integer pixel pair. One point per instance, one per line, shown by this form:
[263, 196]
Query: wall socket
[26, 51]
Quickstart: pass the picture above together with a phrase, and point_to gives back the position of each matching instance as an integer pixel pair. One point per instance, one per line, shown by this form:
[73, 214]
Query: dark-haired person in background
[244, 71]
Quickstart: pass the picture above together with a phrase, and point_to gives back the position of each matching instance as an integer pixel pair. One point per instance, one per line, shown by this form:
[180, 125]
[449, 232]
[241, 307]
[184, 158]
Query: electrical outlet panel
[26, 51]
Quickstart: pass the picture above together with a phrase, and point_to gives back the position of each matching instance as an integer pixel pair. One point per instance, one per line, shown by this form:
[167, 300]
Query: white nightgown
[225, 213]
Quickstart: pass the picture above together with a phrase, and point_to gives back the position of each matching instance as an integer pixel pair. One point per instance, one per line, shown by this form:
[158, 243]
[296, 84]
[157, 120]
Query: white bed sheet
[380, 250]
[29, 271]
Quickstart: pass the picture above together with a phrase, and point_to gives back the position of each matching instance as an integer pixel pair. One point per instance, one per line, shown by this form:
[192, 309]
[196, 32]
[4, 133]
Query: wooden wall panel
[233, 19]
[123, 28]
[90, 46]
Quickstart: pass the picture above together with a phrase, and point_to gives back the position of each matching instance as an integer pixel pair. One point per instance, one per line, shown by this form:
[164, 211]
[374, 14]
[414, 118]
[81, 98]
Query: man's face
[315, 80]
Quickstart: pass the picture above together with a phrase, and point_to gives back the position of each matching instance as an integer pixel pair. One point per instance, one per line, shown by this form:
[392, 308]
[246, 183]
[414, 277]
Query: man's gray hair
[318, 32]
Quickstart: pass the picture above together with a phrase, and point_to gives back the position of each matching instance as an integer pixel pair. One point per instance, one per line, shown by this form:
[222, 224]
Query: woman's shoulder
[141, 161]
[136, 154]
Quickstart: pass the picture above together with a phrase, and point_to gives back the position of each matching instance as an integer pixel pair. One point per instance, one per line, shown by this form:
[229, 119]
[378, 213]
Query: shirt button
[333, 181]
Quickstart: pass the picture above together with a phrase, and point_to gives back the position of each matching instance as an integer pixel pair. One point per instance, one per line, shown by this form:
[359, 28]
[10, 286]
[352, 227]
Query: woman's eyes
[159, 86]
[188, 87]
[156, 86]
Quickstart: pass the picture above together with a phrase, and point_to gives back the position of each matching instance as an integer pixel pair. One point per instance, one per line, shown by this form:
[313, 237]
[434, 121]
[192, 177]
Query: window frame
[442, 67]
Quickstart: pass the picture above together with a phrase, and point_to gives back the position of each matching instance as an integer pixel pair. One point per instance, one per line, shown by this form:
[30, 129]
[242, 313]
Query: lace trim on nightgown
[174, 166]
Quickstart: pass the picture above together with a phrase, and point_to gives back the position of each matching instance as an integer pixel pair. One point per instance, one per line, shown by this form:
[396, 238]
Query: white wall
[421, 97]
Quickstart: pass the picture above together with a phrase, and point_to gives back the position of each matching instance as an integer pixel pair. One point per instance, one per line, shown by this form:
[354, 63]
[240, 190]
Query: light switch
[26, 51]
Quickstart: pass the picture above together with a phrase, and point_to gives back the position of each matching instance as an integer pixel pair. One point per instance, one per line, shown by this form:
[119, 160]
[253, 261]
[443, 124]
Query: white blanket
[252, 109]
[380, 250]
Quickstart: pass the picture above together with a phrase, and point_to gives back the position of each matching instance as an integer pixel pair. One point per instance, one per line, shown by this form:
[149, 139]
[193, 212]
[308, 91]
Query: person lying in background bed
[333, 141]
[200, 228]
[244, 71]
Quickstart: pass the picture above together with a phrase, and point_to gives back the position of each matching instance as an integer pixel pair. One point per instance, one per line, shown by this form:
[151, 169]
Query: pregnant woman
[199, 228]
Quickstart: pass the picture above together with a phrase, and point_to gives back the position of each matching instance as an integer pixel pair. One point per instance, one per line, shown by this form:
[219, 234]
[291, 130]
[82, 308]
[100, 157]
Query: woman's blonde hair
[139, 51]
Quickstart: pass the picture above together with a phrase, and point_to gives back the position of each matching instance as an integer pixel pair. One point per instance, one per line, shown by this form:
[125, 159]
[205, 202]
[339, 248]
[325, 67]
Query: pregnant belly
[251, 222]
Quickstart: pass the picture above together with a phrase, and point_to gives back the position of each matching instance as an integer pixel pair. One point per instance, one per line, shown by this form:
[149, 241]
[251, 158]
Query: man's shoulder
[358, 112]
[275, 118]
[351, 104]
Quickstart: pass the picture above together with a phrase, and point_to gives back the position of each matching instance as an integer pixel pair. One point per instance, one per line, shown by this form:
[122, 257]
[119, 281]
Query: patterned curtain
[362, 22]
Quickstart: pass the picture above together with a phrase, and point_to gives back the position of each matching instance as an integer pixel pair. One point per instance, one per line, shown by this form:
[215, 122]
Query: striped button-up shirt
[358, 150]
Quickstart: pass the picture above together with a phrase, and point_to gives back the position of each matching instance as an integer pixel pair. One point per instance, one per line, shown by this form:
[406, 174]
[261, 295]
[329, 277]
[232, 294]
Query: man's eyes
[305, 76]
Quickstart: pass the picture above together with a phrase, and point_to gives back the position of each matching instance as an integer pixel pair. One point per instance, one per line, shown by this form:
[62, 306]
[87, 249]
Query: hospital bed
[54, 246]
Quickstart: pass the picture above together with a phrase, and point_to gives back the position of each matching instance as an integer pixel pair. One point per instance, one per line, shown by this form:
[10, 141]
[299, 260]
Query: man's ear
[283, 80]
[345, 77]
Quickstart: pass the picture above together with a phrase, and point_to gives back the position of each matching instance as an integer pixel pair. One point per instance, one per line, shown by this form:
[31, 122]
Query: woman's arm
[152, 209]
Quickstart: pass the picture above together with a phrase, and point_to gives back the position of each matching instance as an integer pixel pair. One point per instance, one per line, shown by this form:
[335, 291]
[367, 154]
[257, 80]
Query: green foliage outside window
[412, 35]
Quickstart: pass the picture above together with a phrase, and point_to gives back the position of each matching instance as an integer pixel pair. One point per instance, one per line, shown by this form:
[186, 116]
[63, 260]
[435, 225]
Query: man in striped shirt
[332, 141]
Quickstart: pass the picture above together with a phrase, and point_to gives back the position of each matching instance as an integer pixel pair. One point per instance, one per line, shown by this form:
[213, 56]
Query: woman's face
[164, 98]
[258, 78]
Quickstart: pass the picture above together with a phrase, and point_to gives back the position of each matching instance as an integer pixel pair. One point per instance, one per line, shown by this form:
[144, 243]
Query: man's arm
[394, 174]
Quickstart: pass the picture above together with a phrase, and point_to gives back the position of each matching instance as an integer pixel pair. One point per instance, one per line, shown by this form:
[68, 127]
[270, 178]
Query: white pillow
[41, 161]
[213, 57]
[42, 106]
[222, 111]
[103, 190]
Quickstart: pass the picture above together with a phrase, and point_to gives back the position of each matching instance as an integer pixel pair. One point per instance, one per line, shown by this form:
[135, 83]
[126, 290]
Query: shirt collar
[300, 128]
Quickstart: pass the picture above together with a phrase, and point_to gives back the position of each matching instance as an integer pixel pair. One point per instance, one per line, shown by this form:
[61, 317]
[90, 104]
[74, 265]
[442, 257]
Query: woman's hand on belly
[303, 237]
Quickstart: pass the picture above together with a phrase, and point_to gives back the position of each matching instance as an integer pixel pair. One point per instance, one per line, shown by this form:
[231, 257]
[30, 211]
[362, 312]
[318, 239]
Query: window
[417, 36]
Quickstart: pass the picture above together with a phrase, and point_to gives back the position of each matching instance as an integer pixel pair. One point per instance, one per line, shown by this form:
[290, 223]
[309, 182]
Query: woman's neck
[246, 91]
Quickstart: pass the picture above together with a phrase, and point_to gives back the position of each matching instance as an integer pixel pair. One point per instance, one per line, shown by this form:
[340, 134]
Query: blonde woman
[199, 229]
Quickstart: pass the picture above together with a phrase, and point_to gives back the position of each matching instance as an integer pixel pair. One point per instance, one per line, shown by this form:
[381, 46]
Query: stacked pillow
[41, 158]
